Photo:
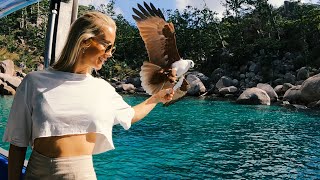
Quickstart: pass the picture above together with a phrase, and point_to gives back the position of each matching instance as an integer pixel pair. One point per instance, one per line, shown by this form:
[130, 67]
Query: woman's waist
[66, 145]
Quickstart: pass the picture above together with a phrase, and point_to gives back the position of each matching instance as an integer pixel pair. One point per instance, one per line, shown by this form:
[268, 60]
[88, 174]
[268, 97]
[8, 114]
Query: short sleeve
[18, 128]
[123, 112]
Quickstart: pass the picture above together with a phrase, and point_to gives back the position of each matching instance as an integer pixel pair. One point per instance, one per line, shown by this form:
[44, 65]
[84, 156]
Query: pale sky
[125, 6]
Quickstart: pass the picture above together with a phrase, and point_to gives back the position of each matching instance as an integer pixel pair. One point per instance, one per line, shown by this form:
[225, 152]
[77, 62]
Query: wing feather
[157, 34]
[179, 93]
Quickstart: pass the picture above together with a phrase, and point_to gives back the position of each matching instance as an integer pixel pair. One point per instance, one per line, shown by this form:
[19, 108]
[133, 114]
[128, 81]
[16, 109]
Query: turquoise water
[206, 139]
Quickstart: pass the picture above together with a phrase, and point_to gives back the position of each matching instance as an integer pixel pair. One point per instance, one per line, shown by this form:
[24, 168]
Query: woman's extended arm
[142, 109]
[16, 160]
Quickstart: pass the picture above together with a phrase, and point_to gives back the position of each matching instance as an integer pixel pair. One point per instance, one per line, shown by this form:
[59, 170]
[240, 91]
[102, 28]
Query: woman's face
[100, 49]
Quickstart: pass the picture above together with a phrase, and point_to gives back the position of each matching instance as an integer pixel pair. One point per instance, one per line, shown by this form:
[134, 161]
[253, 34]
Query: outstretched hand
[164, 95]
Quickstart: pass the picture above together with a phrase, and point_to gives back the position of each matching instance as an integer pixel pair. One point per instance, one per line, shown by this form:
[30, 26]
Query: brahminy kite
[164, 59]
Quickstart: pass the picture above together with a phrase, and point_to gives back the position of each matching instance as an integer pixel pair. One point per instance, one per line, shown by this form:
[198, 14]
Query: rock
[12, 81]
[254, 96]
[124, 87]
[40, 67]
[287, 86]
[7, 67]
[269, 90]
[235, 82]
[302, 74]
[310, 89]
[293, 95]
[278, 81]
[203, 78]
[134, 80]
[224, 82]
[289, 78]
[128, 87]
[140, 89]
[6, 90]
[20, 74]
[228, 90]
[196, 86]
[250, 75]
[254, 68]
[217, 74]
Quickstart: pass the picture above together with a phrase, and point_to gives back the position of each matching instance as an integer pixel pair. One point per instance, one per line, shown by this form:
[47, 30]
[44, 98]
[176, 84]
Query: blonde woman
[65, 114]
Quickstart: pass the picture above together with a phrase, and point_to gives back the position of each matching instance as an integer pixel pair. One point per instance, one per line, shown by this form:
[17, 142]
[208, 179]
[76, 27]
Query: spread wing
[157, 34]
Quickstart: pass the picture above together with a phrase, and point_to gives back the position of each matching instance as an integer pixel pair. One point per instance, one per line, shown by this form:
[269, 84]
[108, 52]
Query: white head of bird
[182, 66]
[191, 63]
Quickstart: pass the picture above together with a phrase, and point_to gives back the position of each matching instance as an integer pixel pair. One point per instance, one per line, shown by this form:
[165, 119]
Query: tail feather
[148, 70]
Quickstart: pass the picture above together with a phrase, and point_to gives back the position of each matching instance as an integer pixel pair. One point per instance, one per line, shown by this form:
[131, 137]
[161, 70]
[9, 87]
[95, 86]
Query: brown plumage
[160, 42]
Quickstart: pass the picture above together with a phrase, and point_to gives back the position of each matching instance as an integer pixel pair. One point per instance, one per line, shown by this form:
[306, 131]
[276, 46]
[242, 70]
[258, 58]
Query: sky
[125, 6]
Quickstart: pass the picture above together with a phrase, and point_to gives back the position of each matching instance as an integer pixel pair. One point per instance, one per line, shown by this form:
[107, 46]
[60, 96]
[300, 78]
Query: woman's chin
[98, 67]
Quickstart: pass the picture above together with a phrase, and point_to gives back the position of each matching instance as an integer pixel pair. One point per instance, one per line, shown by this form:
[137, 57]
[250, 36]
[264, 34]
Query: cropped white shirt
[55, 103]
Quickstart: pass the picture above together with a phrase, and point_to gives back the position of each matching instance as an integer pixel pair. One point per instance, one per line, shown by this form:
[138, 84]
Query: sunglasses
[109, 47]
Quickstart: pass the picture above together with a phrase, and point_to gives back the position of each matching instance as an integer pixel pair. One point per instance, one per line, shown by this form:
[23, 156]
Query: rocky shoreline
[299, 89]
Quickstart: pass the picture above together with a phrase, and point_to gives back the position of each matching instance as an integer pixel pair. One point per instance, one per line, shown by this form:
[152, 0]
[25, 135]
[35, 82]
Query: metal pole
[74, 10]
[49, 38]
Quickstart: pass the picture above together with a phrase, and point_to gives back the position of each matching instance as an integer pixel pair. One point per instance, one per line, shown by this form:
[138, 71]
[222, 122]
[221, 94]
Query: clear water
[205, 139]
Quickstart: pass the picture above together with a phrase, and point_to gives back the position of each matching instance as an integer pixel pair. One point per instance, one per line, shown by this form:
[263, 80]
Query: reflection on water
[198, 139]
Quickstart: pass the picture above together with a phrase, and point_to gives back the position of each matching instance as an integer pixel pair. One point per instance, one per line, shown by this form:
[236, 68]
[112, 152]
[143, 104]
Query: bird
[165, 68]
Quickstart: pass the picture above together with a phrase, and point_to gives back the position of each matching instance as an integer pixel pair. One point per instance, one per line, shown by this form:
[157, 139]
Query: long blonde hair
[85, 27]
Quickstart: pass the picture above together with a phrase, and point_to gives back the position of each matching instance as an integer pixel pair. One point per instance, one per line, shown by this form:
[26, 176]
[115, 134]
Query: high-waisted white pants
[63, 168]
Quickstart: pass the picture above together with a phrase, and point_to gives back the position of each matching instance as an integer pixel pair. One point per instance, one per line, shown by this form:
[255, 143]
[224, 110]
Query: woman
[67, 115]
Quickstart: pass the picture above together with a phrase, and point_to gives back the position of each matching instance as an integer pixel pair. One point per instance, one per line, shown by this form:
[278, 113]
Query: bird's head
[191, 63]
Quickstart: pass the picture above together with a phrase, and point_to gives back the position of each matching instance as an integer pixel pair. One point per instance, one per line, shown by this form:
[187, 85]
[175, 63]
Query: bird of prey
[164, 59]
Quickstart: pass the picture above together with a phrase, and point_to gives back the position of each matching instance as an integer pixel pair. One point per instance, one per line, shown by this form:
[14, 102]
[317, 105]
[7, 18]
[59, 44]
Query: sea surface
[208, 139]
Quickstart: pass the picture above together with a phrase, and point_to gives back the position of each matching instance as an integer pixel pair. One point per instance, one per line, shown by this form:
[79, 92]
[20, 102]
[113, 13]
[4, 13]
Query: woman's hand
[164, 95]
[142, 109]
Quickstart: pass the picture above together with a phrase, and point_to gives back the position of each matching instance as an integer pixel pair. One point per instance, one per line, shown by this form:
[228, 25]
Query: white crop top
[55, 103]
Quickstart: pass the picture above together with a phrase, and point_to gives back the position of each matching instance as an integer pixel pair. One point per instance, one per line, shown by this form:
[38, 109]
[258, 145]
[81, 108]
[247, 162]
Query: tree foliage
[249, 28]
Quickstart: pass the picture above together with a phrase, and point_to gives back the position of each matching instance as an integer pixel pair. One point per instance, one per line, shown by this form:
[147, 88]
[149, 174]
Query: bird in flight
[165, 68]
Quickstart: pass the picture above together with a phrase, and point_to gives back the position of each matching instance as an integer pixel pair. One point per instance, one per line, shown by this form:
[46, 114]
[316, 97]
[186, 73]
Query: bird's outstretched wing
[157, 34]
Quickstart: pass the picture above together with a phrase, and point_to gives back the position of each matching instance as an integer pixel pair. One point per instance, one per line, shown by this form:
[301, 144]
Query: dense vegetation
[248, 29]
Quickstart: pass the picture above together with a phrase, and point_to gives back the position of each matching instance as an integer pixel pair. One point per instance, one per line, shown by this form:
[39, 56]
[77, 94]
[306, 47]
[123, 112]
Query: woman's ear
[87, 42]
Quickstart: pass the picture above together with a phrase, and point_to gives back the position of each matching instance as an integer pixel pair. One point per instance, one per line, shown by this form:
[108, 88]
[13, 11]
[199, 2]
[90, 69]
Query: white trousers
[64, 168]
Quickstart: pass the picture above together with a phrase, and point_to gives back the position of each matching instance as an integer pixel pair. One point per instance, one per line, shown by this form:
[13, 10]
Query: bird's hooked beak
[191, 65]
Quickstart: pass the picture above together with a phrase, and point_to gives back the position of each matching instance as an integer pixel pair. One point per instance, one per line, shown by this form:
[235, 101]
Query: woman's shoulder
[34, 75]
[104, 83]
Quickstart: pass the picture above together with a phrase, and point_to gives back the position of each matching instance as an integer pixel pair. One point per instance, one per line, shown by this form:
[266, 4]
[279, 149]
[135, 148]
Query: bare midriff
[65, 146]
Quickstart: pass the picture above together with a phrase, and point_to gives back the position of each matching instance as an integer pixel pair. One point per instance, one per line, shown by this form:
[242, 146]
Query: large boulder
[289, 78]
[303, 74]
[224, 82]
[196, 86]
[269, 90]
[134, 80]
[5, 89]
[7, 67]
[254, 96]
[293, 95]
[310, 89]
[12, 81]
[281, 89]
[204, 79]
[217, 74]
[228, 90]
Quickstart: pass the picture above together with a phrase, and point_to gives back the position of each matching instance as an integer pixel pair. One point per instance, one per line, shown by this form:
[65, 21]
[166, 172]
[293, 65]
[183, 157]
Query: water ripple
[201, 139]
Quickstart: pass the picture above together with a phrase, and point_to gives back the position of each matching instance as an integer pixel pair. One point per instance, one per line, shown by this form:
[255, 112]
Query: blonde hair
[85, 27]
